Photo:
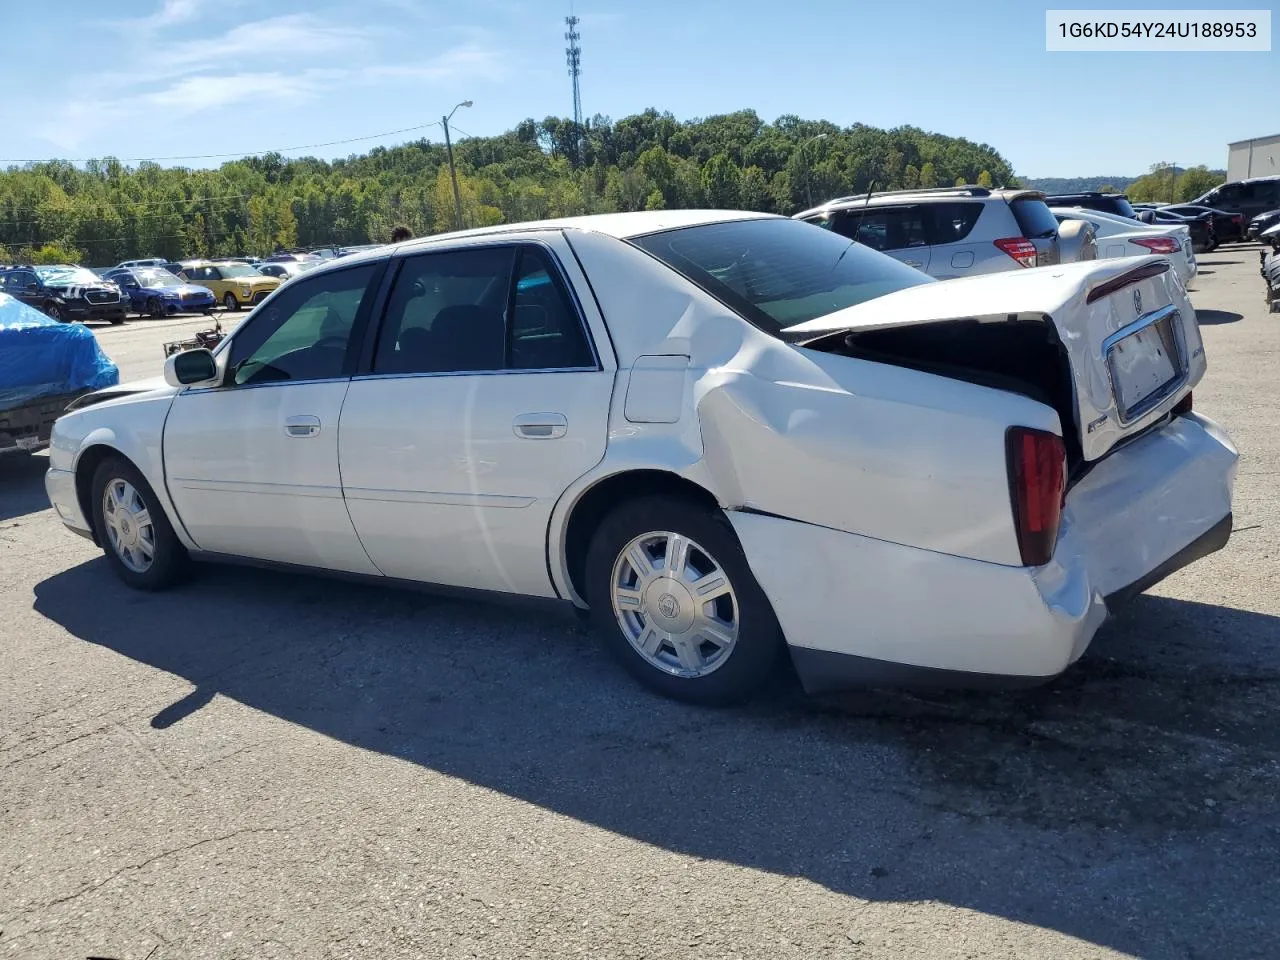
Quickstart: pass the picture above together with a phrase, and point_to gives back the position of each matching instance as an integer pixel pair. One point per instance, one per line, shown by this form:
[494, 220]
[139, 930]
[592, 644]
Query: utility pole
[808, 171]
[453, 171]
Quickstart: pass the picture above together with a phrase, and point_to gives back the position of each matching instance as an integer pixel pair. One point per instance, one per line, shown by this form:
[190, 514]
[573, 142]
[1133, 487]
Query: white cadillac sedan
[730, 437]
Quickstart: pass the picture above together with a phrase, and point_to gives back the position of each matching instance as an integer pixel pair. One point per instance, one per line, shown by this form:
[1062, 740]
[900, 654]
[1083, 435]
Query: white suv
[949, 232]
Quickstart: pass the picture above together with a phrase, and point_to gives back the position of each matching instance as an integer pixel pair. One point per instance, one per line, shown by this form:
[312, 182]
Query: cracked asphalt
[262, 765]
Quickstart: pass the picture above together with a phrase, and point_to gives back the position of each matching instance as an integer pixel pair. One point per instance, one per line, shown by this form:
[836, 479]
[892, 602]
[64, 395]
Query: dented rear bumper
[858, 611]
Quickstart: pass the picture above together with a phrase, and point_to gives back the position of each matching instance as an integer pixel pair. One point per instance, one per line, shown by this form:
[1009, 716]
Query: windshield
[157, 278]
[776, 273]
[237, 270]
[58, 276]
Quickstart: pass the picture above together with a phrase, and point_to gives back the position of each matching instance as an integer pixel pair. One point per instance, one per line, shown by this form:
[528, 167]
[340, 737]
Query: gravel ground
[261, 765]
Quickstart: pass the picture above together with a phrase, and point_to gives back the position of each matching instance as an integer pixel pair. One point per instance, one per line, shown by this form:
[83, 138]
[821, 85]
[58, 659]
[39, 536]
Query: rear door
[483, 401]
[900, 232]
[953, 250]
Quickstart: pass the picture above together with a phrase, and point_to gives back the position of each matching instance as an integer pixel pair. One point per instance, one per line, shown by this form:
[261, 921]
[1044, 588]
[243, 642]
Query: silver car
[949, 232]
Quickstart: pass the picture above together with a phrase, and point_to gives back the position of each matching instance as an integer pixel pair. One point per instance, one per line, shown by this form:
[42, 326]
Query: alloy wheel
[129, 526]
[675, 604]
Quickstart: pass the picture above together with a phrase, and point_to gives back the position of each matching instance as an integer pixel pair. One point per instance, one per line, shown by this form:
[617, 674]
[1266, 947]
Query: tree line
[105, 211]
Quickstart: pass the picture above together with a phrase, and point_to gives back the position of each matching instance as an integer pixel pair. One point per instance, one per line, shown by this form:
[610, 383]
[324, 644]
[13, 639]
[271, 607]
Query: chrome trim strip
[247, 486]
[469, 373]
[444, 499]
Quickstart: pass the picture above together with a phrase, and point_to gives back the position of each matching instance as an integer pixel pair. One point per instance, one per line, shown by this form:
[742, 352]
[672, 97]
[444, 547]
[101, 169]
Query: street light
[808, 172]
[453, 171]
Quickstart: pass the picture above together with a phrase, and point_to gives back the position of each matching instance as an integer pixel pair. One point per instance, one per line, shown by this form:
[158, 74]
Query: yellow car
[235, 284]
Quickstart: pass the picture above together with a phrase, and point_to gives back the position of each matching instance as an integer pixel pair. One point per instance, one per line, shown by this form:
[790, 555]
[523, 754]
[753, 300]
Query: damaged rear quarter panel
[867, 448]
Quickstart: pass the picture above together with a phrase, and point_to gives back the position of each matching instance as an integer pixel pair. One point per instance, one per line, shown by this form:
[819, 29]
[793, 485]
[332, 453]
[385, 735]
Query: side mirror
[33, 287]
[191, 367]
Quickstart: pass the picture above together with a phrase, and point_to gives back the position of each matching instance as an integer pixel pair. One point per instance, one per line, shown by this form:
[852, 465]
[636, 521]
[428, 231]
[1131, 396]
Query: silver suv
[951, 231]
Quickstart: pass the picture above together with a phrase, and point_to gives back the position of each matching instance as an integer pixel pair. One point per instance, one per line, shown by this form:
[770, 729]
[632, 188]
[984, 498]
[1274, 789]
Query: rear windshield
[1034, 218]
[776, 273]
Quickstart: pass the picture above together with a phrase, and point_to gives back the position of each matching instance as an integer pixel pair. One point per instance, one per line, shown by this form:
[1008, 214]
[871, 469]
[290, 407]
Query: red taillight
[1020, 248]
[1037, 478]
[1159, 244]
[1238, 218]
[1183, 407]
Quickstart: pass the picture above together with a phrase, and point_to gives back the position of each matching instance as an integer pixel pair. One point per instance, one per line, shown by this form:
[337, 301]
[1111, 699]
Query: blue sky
[159, 78]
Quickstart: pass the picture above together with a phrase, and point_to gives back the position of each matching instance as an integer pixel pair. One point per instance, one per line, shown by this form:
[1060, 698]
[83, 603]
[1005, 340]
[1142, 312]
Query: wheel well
[86, 466]
[596, 503]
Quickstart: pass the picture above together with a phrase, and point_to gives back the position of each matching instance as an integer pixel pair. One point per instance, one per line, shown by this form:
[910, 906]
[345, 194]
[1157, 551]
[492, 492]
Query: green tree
[1195, 182]
[928, 175]
[722, 182]
[984, 179]
[754, 191]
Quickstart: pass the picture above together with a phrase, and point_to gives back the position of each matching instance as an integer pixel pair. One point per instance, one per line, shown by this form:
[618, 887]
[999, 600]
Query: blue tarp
[40, 357]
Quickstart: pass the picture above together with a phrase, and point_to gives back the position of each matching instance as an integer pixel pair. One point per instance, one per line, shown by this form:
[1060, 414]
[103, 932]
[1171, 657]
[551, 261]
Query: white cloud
[468, 61]
[194, 95]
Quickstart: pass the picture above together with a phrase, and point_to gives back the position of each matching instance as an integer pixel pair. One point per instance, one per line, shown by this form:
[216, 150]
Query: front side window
[304, 332]
[776, 273]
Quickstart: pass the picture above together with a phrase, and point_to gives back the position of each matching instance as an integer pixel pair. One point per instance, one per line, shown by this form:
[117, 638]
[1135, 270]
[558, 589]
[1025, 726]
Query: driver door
[252, 464]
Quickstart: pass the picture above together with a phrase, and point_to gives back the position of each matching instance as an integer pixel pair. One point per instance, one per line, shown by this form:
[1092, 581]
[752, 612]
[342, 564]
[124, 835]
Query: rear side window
[1034, 218]
[776, 273]
[481, 310]
[952, 222]
[545, 331]
[894, 228]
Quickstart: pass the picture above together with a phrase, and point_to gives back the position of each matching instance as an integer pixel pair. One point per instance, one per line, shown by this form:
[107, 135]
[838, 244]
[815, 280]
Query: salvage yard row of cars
[154, 286]
[727, 438]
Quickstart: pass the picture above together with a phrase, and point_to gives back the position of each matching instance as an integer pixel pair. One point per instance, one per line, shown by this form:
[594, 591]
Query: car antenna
[863, 212]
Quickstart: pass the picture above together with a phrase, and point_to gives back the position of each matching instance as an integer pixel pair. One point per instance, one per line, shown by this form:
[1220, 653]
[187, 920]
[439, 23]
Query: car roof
[926, 195]
[620, 225]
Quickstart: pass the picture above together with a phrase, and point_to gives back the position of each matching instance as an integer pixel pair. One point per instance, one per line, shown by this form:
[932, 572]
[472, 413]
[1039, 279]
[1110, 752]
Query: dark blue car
[157, 292]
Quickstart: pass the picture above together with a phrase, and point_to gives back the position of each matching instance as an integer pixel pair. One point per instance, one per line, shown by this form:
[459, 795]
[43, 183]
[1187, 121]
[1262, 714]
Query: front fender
[132, 427]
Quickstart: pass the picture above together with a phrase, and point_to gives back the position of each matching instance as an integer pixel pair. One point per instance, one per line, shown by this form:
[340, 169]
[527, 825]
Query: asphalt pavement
[261, 765]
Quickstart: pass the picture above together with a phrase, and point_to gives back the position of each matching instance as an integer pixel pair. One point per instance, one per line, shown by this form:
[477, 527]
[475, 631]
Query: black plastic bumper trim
[1211, 541]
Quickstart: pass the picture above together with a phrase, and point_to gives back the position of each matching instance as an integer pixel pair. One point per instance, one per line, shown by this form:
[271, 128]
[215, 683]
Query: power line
[222, 156]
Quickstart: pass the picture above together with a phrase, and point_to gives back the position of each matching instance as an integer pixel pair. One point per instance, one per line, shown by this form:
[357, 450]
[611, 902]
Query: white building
[1253, 158]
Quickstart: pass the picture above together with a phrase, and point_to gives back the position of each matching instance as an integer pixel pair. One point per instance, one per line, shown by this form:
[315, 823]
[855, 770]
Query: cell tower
[573, 57]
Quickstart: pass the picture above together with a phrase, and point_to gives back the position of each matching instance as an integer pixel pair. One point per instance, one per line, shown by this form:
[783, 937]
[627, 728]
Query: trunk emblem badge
[1137, 301]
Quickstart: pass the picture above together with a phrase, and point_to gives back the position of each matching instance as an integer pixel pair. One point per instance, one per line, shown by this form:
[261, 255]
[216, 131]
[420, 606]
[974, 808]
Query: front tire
[230, 302]
[155, 309]
[54, 312]
[132, 527]
[673, 598]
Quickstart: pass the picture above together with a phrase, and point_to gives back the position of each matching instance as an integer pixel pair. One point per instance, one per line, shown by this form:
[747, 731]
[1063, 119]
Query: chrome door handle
[301, 426]
[540, 426]
[913, 263]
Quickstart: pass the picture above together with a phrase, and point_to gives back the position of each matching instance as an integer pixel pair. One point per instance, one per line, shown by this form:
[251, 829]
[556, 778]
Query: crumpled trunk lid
[1125, 326]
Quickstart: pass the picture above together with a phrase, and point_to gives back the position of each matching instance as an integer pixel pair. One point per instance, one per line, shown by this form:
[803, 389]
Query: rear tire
[133, 529]
[654, 618]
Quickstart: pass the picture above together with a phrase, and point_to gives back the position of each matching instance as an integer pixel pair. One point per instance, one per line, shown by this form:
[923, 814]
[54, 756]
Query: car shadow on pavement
[22, 485]
[1130, 804]
[1211, 317]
